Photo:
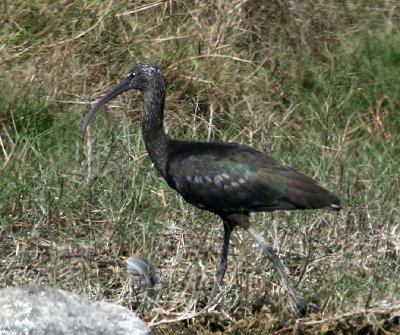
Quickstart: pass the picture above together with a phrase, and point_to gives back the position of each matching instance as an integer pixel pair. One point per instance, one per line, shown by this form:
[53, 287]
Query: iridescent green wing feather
[225, 177]
[228, 178]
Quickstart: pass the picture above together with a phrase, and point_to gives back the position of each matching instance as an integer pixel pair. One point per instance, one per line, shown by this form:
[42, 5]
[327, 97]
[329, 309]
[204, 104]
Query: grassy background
[313, 83]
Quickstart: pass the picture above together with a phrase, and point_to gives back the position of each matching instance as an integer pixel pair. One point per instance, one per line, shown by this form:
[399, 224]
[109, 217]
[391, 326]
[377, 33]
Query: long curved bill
[117, 90]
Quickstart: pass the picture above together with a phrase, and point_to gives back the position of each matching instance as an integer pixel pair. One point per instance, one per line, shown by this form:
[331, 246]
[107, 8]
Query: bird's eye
[131, 75]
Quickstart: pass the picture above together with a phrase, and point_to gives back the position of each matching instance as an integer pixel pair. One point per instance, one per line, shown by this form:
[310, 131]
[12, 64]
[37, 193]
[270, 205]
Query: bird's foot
[302, 307]
[201, 304]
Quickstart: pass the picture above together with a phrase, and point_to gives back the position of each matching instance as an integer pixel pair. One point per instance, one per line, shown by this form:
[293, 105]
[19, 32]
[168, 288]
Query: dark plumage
[245, 179]
[228, 179]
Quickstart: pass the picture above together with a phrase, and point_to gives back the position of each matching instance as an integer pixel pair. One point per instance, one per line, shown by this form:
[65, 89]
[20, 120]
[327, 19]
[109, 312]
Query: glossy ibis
[230, 180]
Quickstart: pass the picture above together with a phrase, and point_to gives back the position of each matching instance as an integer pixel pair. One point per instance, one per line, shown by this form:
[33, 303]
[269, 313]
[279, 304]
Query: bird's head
[143, 76]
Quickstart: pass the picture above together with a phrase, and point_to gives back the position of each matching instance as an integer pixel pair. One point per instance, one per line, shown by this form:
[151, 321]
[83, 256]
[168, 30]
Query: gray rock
[40, 310]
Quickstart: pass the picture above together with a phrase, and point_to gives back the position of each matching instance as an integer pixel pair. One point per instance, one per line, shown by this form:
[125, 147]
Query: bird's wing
[226, 178]
[229, 178]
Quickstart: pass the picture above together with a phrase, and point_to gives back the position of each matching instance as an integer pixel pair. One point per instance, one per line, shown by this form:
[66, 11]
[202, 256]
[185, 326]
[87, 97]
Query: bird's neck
[155, 138]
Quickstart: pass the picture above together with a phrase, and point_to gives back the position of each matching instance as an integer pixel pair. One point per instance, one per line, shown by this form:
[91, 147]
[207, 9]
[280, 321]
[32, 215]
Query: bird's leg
[299, 304]
[221, 267]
